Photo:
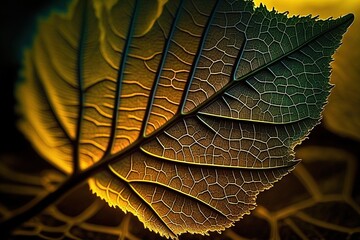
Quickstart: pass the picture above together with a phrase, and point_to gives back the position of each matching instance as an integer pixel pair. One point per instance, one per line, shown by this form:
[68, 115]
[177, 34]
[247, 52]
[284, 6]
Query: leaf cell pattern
[340, 116]
[190, 113]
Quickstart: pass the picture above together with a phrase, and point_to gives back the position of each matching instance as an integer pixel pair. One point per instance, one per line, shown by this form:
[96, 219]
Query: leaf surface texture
[195, 110]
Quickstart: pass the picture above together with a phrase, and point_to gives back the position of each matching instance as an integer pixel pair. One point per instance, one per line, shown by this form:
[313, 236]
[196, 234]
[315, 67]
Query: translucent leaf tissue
[179, 112]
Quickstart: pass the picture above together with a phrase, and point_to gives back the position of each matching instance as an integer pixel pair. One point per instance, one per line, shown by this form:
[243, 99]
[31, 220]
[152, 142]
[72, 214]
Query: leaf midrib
[107, 159]
[179, 115]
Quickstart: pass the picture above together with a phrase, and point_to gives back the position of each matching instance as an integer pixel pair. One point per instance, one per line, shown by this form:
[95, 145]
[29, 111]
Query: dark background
[17, 26]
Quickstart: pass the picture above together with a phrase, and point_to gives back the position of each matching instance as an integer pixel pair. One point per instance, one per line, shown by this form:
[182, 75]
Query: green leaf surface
[178, 112]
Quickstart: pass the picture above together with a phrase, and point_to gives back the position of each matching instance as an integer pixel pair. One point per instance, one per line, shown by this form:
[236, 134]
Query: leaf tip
[349, 18]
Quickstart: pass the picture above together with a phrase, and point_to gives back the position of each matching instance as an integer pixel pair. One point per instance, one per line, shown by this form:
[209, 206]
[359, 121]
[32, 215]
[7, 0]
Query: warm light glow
[323, 8]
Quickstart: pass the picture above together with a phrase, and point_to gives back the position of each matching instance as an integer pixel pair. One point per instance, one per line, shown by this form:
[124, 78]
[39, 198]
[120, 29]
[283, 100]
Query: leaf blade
[207, 137]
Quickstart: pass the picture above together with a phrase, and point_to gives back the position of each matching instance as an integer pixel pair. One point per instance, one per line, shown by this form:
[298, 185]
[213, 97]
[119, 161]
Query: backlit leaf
[340, 115]
[185, 110]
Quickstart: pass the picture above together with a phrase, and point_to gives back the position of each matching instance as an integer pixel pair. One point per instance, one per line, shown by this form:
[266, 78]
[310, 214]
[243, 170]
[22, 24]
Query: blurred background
[319, 200]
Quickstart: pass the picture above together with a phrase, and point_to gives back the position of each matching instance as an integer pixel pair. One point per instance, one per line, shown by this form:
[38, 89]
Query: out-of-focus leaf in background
[342, 114]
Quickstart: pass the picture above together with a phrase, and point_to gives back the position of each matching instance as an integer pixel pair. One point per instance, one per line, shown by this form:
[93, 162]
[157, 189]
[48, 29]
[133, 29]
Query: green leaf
[180, 113]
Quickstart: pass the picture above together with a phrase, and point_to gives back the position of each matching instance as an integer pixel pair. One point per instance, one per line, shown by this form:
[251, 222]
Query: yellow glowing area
[70, 63]
[323, 8]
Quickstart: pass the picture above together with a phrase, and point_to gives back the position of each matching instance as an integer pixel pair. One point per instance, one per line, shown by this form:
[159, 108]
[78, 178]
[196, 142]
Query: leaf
[339, 116]
[184, 119]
